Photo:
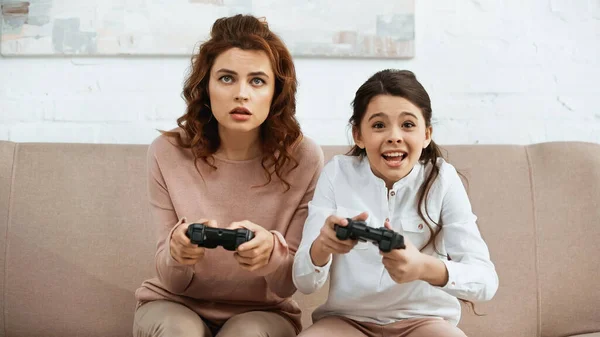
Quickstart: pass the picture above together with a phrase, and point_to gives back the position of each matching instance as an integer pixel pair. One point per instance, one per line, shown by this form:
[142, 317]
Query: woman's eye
[408, 125]
[258, 81]
[226, 79]
[378, 125]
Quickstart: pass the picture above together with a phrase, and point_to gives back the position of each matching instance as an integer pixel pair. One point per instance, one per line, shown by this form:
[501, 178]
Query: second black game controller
[385, 238]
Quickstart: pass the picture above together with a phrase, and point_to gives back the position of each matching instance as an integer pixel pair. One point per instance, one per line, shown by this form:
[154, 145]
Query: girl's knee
[436, 328]
[332, 326]
[257, 324]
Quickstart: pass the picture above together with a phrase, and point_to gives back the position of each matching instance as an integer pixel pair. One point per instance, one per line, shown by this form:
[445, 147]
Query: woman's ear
[357, 137]
[428, 133]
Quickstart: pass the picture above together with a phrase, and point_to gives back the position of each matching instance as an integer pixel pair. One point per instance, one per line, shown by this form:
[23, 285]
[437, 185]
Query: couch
[76, 239]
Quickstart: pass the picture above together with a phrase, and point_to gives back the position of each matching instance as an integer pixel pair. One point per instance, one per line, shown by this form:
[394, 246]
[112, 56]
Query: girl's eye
[408, 125]
[226, 79]
[257, 81]
[378, 125]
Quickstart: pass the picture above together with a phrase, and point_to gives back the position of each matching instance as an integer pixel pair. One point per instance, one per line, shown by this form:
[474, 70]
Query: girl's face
[241, 88]
[393, 132]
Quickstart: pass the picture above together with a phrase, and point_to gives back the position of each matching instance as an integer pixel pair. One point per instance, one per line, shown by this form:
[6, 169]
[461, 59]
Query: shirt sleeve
[173, 275]
[309, 278]
[471, 274]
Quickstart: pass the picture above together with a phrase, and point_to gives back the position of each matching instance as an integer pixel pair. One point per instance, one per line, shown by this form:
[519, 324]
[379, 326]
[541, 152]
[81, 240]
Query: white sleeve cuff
[317, 269]
[452, 276]
[309, 278]
[470, 282]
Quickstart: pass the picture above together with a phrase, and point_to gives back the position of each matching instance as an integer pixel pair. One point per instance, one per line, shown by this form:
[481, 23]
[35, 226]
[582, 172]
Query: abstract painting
[310, 28]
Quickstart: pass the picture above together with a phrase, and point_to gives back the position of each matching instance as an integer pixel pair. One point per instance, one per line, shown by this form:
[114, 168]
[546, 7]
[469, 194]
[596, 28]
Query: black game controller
[385, 238]
[209, 237]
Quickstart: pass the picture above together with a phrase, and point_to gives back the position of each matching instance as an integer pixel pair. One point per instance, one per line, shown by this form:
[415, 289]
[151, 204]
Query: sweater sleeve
[279, 279]
[175, 277]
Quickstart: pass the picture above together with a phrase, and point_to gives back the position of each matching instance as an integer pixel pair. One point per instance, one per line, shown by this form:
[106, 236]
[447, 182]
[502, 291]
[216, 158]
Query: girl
[394, 176]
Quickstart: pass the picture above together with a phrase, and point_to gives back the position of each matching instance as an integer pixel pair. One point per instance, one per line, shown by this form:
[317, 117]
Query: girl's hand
[182, 250]
[409, 264]
[404, 265]
[255, 253]
[327, 243]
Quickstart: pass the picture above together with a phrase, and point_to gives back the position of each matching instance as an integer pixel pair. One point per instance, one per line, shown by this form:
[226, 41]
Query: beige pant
[334, 326]
[170, 319]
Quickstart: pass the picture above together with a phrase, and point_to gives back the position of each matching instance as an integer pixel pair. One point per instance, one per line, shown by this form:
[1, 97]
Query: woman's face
[241, 88]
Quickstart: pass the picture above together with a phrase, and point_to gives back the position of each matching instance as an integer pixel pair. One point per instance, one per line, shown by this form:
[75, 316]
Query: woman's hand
[255, 253]
[182, 250]
[327, 243]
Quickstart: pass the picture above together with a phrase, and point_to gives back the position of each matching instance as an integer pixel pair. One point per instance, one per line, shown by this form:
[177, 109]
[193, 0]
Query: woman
[237, 160]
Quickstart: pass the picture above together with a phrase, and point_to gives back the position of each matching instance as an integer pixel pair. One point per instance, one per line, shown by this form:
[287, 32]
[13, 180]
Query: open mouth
[240, 111]
[394, 157]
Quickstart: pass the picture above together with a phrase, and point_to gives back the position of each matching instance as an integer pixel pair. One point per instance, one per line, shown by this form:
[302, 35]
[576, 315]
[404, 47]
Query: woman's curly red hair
[280, 133]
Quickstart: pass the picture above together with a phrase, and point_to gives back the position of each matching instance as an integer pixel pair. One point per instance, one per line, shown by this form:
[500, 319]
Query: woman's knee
[164, 318]
[182, 326]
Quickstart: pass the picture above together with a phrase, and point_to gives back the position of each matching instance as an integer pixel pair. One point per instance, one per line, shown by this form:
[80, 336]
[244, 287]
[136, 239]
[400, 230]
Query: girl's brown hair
[280, 133]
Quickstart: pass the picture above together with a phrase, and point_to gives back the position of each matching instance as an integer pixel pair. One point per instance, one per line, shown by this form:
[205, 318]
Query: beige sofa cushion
[7, 151]
[79, 242]
[567, 217]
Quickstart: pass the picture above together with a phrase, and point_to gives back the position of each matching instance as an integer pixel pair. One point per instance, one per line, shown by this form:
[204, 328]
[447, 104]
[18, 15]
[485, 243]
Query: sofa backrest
[566, 195]
[79, 239]
[76, 238]
[7, 151]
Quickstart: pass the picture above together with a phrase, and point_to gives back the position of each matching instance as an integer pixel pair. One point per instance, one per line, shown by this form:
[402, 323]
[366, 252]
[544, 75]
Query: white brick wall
[502, 72]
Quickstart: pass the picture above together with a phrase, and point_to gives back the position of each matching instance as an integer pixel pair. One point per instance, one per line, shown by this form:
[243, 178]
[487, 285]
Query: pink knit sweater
[216, 287]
